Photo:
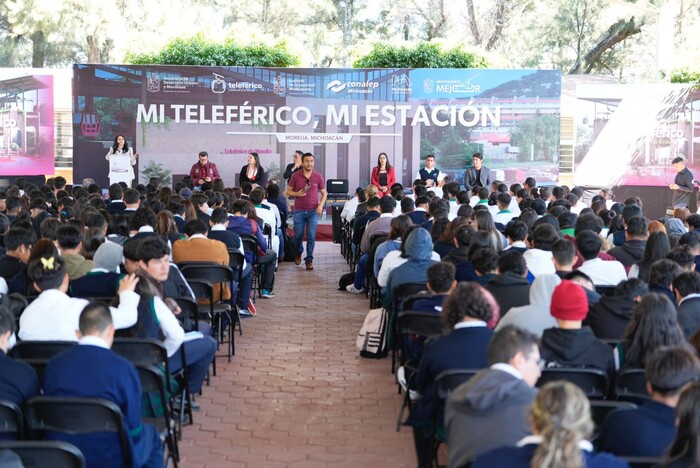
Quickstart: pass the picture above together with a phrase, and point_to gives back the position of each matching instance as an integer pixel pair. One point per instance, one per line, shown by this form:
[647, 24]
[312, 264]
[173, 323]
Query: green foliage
[542, 132]
[424, 55]
[426, 147]
[685, 75]
[153, 169]
[199, 51]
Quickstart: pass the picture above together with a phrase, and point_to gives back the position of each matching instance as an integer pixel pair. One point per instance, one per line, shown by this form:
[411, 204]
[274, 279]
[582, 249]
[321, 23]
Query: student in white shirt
[54, 316]
[601, 272]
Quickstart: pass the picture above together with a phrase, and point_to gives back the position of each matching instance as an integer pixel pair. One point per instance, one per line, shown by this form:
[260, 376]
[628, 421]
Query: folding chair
[38, 353]
[11, 420]
[631, 385]
[236, 261]
[445, 383]
[150, 352]
[215, 274]
[250, 245]
[76, 416]
[593, 382]
[600, 410]
[152, 385]
[399, 293]
[373, 289]
[46, 453]
[17, 303]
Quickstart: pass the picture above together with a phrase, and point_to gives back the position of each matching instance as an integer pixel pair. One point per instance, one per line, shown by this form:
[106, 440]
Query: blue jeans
[361, 272]
[308, 219]
[199, 354]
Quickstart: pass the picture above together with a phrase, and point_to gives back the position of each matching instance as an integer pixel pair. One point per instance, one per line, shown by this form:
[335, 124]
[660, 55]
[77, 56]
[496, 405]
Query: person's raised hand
[128, 283]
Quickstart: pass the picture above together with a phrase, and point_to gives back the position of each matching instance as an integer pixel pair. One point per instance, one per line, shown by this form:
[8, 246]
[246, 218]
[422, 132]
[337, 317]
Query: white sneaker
[351, 289]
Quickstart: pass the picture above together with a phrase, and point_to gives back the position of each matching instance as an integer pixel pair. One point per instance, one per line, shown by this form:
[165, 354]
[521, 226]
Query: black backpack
[346, 280]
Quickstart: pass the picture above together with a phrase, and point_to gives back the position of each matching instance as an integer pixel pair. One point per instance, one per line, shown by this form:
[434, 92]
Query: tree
[424, 55]
[199, 51]
[685, 75]
[539, 134]
[491, 24]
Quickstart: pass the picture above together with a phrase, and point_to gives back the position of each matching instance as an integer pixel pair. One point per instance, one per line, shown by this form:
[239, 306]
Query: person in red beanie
[572, 344]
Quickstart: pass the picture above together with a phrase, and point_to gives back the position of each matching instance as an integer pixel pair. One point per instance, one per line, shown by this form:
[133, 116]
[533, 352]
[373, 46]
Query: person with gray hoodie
[418, 249]
[490, 409]
[534, 317]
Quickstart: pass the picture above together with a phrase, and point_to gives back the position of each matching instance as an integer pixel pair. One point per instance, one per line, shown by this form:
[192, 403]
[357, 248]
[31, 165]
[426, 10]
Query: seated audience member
[92, 370]
[654, 325]
[686, 287]
[489, 410]
[692, 241]
[103, 279]
[602, 273]
[610, 316]
[516, 233]
[570, 344]
[142, 224]
[350, 206]
[241, 224]
[656, 248]
[396, 258]
[155, 317]
[683, 257]
[275, 199]
[632, 251]
[585, 282]
[685, 449]
[266, 214]
[441, 282]
[361, 222]
[370, 192]
[18, 245]
[564, 257]
[459, 256]
[417, 251]
[504, 214]
[661, 274]
[446, 242]
[116, 199]
[647, 431]
[53, 316]
[485, 263]
[561, 426]
[618, 238]
[132, 200]
[18, 380]
[539, 258]
[399, 226]
[466, 311]
[509, 287]
[201, 206]
[535, 317]
[420, 214]
[20, 282]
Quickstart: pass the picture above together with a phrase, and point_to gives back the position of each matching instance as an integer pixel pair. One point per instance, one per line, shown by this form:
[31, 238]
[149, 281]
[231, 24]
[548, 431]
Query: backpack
[289, 246]
[346, 280]
[371, 341]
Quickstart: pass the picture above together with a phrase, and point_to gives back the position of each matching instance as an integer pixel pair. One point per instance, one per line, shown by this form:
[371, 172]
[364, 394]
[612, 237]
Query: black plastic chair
[216, 275]
[399, 293]
[11, 420]
[601, 408]
[150, 352]
[250, 245]
[16, 303]
[78, 416]
[153, 384]
[46, 453]
[593, 382]
[38, 353]
[631, 385]
[373, 289]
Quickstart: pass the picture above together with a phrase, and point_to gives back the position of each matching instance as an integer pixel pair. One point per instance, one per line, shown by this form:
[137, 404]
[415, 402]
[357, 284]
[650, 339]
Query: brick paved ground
[297, 394]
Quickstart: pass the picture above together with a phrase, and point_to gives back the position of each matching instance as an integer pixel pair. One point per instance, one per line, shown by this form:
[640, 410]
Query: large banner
[345, 117]
[629, 134]
[26, 123]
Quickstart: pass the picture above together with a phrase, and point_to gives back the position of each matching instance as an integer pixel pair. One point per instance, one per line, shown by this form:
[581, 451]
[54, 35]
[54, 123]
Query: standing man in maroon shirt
[203, 171]
[304, 186]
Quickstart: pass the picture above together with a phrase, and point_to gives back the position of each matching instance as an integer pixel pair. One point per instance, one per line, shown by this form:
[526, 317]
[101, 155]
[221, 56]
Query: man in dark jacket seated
[459, 256]
[610, 316]
[686, 287]
[509, 287]
[18, 380]
[571, 344]
[632, 250]
[648, 431]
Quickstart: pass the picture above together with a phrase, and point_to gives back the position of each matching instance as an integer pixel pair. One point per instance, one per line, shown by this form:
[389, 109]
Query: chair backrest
[593, 382]
[374, 242]
[153, 382]
[420, 323]
[235, 259]
[141, 351]
[189, 314]
[76, 416]
[631, 384]
[11, 420]
[601, 408]
[40, 350]
[402, 291]
[201, 288]
[16, 302]
[408, 302]
[45, 453]
[250, 244]
[209, 271]
[447, 381]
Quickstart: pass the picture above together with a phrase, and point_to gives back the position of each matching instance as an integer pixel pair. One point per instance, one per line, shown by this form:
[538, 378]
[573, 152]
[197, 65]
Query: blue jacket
[516, 457]
[242, 225]
[646, 431]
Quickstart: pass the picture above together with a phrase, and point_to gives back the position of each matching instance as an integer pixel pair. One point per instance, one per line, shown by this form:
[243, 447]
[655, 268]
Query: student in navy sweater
[92, 370]
[648, 431]
[561, 423]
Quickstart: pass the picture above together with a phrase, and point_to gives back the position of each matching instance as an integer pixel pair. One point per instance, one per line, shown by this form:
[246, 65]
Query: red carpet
[324, 233]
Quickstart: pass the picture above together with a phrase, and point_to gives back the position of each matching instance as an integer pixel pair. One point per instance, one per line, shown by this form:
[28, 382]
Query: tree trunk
[617, 33]
[93, 49]
[473, 26]
[38, 49]
[499, 24]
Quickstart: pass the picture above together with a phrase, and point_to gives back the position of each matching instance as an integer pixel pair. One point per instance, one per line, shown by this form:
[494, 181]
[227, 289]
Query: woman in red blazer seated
[383, 176]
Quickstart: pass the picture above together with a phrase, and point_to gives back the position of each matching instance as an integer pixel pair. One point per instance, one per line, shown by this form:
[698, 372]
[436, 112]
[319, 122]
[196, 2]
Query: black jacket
[630, 252]
[576, 348]
[360, 225]
[609, 318]
[509, 290]
[689, 316]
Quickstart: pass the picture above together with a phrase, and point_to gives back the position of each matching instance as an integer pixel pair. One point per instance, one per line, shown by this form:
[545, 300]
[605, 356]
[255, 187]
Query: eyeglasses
[541, 363]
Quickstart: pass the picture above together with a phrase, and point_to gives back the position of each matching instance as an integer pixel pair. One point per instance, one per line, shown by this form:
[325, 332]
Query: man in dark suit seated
[509, 287]
[116, 199]
[478, 174]
[18, 380]
[647, 431]
[92, 370]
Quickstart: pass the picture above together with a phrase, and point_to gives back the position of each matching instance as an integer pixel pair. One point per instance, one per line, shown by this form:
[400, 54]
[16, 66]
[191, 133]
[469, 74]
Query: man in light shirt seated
[601, 272]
